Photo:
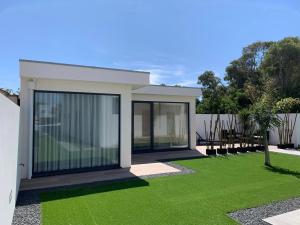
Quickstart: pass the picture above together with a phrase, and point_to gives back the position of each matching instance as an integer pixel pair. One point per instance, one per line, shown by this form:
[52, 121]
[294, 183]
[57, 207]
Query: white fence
[274, 138]
[9, 172]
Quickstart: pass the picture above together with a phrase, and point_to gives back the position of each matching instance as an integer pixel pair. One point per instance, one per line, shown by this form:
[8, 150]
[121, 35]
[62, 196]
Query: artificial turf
[218, 186]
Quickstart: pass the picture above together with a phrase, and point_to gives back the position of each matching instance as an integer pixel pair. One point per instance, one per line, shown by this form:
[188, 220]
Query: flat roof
[61, 71]
[139, 80]
[169, 90]
[84, 66]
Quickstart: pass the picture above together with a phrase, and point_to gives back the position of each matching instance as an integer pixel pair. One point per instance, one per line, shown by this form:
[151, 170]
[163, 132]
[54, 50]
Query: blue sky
[174, 40]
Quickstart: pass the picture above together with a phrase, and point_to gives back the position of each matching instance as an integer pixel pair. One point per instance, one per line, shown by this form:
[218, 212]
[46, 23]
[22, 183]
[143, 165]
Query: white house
[77, 118]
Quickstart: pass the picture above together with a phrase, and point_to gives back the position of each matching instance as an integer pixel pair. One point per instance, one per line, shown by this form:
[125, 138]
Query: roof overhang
[168, 90]
[59, 71]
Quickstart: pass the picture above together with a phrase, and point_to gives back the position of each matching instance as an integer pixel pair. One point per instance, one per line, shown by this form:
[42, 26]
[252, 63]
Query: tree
[212, 92]
[246, 69]
[245, 76]
[282, 63]
[264, 115]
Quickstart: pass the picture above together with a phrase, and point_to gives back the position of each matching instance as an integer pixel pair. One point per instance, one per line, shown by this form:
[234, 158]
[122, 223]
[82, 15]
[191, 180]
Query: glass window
[142, 126]
[75, 131]
[170, 125]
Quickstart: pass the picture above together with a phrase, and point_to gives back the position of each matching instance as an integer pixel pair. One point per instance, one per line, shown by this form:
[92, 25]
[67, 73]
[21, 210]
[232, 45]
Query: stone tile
[290, 218]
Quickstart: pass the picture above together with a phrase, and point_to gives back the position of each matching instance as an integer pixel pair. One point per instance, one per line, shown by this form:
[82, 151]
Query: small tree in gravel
[264, 115]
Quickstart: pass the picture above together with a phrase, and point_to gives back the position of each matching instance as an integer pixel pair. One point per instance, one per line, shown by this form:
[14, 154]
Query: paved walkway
[274, 148]
[290, 218]
[144, 165]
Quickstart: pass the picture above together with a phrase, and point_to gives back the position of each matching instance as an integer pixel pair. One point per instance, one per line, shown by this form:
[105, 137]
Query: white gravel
[254, 216]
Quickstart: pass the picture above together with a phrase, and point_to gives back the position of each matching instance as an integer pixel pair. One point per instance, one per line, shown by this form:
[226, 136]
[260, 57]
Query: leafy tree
[282, 62]
[212, 92]
[246, 69]
[288, 105]
[246, 76]
[264, 115]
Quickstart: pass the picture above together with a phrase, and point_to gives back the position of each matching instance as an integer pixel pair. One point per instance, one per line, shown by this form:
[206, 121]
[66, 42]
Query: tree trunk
[267, 154]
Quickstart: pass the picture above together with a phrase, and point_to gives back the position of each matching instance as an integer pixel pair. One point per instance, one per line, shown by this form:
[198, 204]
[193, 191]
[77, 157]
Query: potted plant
[210, 136]
[287, 126]
[220, 129]
[231, 134]
[245, 130]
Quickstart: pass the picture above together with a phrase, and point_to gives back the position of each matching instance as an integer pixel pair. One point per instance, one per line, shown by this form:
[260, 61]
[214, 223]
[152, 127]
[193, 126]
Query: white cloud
[165, 74]
[155, 78]
[188, 83]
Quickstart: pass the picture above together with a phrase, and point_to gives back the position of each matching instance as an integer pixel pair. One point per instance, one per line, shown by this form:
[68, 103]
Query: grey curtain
[75, 131]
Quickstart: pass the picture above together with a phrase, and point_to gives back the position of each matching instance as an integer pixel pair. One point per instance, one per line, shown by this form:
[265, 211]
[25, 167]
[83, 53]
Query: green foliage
[246, 77]
[288, 105]
[215, 97]
[282, 63]
[246, 69]
[212, 92]
[245, 117]
[263, 111]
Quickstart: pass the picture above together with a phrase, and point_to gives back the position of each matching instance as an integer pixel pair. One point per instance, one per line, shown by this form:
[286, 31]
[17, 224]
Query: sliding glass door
[75, 131]
[170, 125]
[160, 126]
[141, 126]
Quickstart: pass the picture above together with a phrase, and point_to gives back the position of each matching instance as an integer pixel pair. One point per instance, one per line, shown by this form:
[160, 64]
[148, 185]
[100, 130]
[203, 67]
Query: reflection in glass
[170, 125]
[142, 126]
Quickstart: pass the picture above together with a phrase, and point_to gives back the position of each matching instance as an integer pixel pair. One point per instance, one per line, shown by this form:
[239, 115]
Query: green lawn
[220, 185]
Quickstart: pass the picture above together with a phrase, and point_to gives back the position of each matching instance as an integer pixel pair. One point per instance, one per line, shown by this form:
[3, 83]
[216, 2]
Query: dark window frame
[152, 149]
[76, 170]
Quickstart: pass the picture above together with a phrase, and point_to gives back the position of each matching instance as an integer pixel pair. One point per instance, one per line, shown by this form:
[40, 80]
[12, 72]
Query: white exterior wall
[26, 120]
[169, 98]
[9, 166]
[274, 138]
[200, 118]
[58, 71]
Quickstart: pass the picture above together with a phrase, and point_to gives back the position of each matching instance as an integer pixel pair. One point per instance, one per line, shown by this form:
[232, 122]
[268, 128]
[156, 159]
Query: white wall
[9, 172]
[274, 139]
[200, 118]
[168, 90]
[58, 71]
[26, 95]
[168, 98]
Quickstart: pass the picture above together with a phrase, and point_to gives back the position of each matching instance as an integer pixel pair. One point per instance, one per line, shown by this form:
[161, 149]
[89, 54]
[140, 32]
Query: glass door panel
[141, 126]
[170, 125]
[75, 131]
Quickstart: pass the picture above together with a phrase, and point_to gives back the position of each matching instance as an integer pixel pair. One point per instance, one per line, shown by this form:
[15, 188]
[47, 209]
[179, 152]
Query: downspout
[31, 86]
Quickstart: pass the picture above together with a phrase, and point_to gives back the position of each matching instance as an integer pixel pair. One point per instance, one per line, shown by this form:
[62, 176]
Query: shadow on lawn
[91, 189]
[280, 170]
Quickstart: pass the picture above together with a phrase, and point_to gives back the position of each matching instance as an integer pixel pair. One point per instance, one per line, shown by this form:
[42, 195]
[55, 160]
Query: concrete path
[274, 148]
[152, 169]
[144, 165]
[290, 218]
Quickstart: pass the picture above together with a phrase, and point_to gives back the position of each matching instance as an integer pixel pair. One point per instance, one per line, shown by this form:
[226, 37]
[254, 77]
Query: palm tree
[265, 117]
